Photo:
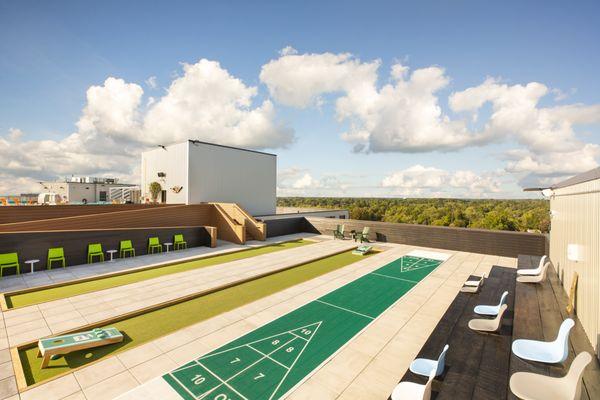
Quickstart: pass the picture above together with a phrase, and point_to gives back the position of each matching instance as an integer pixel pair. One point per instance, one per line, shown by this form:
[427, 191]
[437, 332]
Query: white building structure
[194, 172]
[83, 189]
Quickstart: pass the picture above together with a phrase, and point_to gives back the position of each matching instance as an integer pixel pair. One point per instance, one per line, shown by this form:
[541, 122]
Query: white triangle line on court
[272, 359]
[296, 360]
[259, 340]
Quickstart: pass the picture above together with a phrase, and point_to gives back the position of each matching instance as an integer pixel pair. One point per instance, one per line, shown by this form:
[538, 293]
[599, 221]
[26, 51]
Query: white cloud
[403, 115]
[151, 82]
[430, 181]
[205, 103]
[301, 182]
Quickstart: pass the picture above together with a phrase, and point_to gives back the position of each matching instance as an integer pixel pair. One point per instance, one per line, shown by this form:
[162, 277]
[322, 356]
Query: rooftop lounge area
[423, 313]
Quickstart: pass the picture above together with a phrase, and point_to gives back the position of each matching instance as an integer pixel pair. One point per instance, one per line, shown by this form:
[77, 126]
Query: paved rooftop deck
[368, 367]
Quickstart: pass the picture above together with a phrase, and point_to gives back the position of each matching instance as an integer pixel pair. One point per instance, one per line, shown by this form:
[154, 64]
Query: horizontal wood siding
[165, 216]
[35, 245]
[501, 243]
[14, 214]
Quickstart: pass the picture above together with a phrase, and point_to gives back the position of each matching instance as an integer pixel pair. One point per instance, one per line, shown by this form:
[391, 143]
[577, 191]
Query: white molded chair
[424, 366]
[491, 310]
[556, 351]
[533, 271]
[488, 325]
[535, 278]
[413, 391]
[530, 386]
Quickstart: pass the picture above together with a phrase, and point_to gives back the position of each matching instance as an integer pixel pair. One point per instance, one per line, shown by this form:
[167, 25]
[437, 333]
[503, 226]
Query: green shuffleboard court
[73, 289]
[271, 360]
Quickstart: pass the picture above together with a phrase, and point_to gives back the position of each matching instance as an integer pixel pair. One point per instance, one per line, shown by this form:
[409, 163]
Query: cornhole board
[65, 344]
[362, 250]
[473, 285]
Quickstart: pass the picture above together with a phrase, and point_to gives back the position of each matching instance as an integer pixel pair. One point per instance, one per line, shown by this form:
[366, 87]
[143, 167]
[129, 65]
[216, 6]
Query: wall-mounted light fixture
[162, 175]
[574, 252]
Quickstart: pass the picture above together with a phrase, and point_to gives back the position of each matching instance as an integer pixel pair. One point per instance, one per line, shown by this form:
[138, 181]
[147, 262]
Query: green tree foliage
[510, 215]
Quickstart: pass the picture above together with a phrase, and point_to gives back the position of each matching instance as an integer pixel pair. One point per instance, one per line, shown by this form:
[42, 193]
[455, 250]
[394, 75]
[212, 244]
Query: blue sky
[331, 80]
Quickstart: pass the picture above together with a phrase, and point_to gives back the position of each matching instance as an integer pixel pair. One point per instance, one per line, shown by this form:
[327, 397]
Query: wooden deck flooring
[476, 364]
[540, 311]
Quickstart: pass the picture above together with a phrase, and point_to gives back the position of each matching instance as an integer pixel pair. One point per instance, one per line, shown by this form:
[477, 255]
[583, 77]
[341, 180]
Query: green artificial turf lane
[61, 292]
[152, 325]
[269, 361]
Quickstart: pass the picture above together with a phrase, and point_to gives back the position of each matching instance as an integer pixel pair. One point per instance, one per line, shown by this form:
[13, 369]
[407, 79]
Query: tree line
[510, 215]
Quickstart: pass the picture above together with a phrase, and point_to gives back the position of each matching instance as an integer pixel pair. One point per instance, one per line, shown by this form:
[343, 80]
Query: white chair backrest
[544, 270]
[441, 363]
[561, 343]
[542, 262]
[503, 299]
[427, 391]
[498, 319]
[572, 381]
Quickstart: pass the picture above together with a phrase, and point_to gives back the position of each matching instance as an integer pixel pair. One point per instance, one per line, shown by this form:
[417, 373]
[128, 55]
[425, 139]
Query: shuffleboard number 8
[221, 396]
[275, 342]
[198, 379]
[289, 349]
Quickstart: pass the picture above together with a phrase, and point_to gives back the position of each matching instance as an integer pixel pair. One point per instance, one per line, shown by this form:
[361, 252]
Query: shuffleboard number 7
[198, 379]
[259, 376]
[235, 360]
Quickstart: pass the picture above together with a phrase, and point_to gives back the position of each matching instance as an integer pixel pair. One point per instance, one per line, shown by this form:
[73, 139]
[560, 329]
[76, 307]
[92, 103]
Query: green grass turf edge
[68, 290]
[152, 325]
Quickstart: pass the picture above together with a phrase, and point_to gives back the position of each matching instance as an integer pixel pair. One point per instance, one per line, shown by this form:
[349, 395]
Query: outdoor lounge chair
[425, 366]
[552, 352]
[413, 391]
[338, 233]
[126, 248]
[491, 310]
[154, 244]
[9, 260]
[533, 271]
[178, 242]
[530, 386]
[362, 250]
[94, 250]
[56, 254]
[535, 278]
[488, 325]
[473, 286]
[363, 236]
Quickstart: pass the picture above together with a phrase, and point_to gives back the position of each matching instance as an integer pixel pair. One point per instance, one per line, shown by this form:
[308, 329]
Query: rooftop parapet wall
[501, 243]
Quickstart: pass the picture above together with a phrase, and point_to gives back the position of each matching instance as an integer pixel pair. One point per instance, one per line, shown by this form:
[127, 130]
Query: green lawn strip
[69, 290]
[152, 325]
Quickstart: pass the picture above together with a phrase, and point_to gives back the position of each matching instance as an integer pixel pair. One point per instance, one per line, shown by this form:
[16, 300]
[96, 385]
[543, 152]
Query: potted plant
[155, 190]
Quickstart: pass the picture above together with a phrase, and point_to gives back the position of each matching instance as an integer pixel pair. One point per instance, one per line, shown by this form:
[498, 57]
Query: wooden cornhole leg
[45, 360]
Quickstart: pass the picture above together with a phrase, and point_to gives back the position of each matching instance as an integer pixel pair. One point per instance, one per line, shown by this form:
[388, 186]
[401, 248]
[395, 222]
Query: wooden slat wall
[14, 214]
[501, 243]
[174, 215]
[35, 245]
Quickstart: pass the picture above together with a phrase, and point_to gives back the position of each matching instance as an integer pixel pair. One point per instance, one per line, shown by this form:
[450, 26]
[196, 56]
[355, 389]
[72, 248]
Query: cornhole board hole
[65, 344]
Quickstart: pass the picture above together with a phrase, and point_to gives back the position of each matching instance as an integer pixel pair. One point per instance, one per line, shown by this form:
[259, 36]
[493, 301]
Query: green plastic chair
[126, 247]
[178, 242]
[95, 250]
[339, 232]
[56, 254]
[154, 243]
[9, 260]
[363, 236]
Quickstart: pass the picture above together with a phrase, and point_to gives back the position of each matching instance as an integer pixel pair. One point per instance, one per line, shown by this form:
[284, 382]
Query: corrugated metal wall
[576, 220]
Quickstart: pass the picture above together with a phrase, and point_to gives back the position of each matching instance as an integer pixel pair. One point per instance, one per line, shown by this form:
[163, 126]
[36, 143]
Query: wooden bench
[477, 364]
[539, 311]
